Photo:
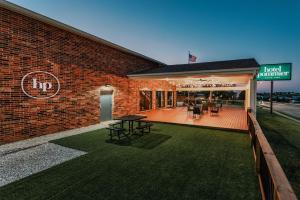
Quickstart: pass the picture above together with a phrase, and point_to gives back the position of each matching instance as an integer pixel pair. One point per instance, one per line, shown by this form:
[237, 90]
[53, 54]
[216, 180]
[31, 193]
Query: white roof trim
[213, 88]
[26, 12]
[199, 72]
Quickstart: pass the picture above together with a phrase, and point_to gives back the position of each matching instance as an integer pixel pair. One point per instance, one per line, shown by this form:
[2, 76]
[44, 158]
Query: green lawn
[284, 136]
[173, 162]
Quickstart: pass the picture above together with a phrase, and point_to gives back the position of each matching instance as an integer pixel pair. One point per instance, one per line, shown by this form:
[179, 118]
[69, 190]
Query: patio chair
[219, 105]
[214, 110]
[205, 107]
[197, 111]
[190, 108]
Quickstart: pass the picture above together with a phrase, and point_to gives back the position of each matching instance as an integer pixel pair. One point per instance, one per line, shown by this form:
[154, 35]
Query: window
[170, 97]
[145, 100]
[160, 99]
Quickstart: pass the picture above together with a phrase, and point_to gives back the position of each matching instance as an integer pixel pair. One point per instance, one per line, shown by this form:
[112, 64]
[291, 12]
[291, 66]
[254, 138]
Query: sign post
[271, 97]
[274, 72]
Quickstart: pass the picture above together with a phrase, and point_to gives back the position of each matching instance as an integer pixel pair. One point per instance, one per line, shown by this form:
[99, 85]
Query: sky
[212, 30]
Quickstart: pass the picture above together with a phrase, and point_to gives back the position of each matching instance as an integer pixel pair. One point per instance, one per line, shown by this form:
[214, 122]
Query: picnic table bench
[118, 130]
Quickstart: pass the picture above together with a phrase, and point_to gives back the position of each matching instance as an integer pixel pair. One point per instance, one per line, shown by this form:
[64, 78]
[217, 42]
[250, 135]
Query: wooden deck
[232, 118]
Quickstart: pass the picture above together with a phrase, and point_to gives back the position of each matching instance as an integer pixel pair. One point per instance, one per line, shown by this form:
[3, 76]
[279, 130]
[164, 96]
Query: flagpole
[189, 57]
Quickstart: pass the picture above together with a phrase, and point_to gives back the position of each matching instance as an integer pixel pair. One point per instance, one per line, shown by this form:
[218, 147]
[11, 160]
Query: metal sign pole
[271, 98]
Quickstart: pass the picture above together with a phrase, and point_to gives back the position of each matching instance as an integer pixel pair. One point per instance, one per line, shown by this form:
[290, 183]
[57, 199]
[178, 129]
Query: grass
[172, 162]
[289, 115]
[284, 136]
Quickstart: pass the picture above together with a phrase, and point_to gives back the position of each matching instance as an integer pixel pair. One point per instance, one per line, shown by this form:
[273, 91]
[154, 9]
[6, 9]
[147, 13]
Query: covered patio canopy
[230, 75]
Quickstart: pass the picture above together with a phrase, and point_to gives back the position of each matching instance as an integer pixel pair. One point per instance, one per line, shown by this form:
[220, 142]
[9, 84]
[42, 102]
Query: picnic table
[131, 119]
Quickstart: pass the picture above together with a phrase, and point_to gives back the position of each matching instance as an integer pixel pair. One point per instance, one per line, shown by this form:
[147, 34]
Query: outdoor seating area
[215, 116]
[135, 127]
[204, 107]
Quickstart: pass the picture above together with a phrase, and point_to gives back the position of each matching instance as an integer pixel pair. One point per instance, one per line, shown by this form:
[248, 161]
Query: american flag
[192, 58]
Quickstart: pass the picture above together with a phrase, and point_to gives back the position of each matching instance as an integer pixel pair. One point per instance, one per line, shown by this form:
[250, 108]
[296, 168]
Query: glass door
[145, 100]
[160, 99]
[170, 98]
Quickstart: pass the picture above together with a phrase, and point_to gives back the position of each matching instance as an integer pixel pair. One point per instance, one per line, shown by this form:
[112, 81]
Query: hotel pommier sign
[275, 72]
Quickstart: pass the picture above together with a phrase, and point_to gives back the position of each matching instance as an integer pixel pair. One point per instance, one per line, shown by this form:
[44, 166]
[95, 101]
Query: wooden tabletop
[131, 117]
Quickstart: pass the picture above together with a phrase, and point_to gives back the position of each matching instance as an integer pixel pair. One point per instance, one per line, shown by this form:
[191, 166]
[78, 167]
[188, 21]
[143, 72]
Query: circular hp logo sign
[40, 85]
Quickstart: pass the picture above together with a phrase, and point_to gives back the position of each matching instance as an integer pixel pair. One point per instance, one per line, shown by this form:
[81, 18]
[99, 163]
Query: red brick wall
[82, 67]
[137, 85]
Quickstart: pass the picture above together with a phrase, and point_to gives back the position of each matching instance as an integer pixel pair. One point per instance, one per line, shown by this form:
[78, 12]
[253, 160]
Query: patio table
[130, 119]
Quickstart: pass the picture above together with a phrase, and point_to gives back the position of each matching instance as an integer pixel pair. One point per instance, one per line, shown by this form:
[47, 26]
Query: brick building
[54, 77]
[84, 65]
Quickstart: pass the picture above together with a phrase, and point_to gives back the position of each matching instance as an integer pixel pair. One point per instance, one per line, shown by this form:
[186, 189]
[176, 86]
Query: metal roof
[227, 65]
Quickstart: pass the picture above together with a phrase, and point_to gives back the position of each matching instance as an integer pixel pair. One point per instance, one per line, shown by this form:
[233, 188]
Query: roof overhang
[212, 89]
[234, 71]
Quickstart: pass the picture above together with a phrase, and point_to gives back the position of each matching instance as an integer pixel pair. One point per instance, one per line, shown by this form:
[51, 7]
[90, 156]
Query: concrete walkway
[24, 158]
[17, 146]
[18, 165]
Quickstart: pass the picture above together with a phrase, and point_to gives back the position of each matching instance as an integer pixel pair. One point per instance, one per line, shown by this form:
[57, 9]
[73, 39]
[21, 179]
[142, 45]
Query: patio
[230, 117]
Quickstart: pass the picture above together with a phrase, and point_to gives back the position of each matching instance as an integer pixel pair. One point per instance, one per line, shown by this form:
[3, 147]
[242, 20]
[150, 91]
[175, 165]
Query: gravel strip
[24, 158]
[17, 165]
